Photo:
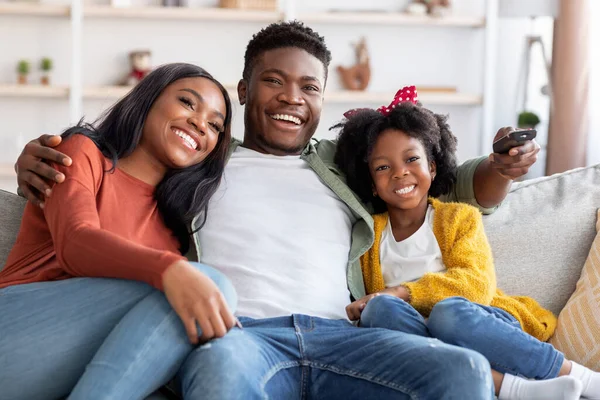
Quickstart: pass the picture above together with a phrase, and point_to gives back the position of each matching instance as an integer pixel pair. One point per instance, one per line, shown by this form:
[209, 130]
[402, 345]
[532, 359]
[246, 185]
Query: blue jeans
[490, 331]
[302, 357]
[125, 332]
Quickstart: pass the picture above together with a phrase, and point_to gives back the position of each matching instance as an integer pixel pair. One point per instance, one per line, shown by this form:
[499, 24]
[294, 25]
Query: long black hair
[359, 133]
[183, 193]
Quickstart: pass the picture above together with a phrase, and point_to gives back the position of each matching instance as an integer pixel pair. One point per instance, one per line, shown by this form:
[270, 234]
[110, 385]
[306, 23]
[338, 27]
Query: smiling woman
[123, 211]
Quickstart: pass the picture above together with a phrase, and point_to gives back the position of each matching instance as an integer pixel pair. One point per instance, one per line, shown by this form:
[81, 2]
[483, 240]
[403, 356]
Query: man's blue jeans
[302, 357]
[125, 332]
[488, 330]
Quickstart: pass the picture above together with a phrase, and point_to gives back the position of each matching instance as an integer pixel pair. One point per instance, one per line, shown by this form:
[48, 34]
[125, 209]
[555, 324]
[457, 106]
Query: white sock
[590, 381]
[562, 388]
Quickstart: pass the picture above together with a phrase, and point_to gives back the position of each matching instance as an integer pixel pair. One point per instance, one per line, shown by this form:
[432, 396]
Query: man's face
[283, 99]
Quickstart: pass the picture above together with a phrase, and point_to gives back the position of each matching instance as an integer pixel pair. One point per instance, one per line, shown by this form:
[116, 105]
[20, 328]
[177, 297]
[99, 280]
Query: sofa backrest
[11, 209]
[542, 233]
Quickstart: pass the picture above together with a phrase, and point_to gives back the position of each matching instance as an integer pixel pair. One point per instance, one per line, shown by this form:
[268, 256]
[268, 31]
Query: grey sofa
[540, 235]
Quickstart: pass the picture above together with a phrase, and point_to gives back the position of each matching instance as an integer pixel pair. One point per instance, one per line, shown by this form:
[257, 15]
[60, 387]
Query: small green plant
[528, 119]
[23, 67]
[46, 64]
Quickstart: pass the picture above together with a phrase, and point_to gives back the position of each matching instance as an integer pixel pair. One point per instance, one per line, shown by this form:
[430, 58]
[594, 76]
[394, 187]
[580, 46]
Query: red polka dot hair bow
[407, 93]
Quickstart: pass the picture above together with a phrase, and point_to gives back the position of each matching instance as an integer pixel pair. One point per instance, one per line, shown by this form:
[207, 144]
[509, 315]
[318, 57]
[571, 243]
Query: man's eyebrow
[311, 78]
[201, 100]
[275, 71]
[285, 75]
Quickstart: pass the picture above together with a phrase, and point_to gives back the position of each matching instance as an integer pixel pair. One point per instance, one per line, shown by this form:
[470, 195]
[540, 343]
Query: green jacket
[319, 155]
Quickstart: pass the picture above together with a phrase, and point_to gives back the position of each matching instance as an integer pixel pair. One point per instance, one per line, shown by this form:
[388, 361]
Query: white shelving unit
[393, 18]
[77, 15]
[180, 13]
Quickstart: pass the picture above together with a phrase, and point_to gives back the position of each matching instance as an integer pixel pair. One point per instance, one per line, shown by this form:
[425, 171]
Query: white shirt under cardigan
[280, 235]
[411, 258]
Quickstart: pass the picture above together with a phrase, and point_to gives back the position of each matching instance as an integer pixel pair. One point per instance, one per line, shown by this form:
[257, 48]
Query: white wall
[399, 56]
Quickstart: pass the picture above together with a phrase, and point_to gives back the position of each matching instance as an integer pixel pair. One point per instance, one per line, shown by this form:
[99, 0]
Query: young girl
[136, 181]
[433, 260]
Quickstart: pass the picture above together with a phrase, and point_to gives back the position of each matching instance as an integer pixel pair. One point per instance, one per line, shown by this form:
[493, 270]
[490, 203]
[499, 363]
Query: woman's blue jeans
[97, 338]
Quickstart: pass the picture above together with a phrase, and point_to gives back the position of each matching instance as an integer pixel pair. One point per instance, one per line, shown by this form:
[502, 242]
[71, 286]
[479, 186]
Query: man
[288, 232]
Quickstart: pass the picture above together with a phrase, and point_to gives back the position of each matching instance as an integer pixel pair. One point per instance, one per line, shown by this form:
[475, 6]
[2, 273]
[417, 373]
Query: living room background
[431, 54]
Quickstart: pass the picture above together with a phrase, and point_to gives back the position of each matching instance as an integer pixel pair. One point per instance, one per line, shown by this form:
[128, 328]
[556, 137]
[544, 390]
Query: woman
[139, 178]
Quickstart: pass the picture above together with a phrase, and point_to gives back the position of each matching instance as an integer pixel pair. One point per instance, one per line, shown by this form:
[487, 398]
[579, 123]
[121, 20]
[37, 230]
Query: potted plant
[46, 67]
[23, 69]
[527, 119]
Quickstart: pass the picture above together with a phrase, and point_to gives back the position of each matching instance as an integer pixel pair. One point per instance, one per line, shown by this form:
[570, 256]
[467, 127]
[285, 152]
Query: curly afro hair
[285, 34]
[359, 133]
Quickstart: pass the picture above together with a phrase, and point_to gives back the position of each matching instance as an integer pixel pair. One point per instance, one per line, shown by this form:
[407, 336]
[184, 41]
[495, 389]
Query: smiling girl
[431, 260]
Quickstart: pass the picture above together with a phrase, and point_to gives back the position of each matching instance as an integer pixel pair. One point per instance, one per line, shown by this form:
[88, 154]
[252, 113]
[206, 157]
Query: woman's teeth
[405, 190]
[189, 141]
[285, 117]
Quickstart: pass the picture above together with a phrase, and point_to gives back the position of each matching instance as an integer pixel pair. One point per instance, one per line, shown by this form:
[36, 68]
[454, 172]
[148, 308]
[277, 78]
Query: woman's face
[184, 123]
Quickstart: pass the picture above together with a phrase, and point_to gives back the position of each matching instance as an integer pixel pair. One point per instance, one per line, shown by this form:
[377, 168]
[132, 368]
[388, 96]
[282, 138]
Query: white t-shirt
[281, 236]
[411, 258]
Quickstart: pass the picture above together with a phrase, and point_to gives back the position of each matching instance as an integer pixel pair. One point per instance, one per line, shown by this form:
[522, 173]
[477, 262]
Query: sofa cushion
[579, 322]
[11, 209]
[542, 233]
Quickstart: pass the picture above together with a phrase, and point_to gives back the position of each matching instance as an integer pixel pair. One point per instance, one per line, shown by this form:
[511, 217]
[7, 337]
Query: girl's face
[184, 123]
[400, 170]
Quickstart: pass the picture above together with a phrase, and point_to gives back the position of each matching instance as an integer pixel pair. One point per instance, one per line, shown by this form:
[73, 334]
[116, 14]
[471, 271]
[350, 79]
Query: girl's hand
[518, 160]
[397, 291]
[355, 308]
[196, 299]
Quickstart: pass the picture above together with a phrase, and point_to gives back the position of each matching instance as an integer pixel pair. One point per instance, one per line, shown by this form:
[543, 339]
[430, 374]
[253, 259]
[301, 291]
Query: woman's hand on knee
[197, 300]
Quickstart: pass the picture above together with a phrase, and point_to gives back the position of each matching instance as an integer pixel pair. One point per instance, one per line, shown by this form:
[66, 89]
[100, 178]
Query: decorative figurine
[357, 77]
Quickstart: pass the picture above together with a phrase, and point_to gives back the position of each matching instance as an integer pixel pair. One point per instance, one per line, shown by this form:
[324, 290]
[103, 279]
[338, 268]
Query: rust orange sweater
[95, 224]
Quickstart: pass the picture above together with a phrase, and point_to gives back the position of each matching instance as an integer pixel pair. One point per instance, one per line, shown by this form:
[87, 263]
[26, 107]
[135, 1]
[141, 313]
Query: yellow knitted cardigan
[470, 273]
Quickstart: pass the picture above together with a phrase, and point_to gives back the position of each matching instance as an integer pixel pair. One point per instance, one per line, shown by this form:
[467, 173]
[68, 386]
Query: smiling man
[288, 232]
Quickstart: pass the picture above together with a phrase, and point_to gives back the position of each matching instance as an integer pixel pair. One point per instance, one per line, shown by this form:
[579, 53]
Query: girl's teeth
[405, 190]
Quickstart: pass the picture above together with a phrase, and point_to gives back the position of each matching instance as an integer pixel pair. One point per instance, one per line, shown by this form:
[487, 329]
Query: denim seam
[499, 367]
[273, 371]
[559, 359]
[368, 378]
[303, 375]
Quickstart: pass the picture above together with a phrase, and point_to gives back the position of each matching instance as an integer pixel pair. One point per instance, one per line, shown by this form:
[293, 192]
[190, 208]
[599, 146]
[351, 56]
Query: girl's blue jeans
[490, 331]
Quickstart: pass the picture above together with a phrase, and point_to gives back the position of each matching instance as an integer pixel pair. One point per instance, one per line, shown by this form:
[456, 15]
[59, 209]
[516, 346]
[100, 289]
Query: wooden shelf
[30, 90]
[442, 97]
[116, 92]
[181, 13]
[105, 92]
[427, 98]
[34, 9]
[391, 18]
